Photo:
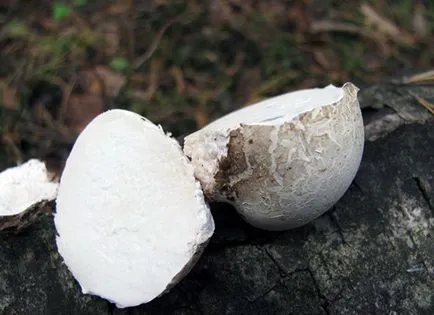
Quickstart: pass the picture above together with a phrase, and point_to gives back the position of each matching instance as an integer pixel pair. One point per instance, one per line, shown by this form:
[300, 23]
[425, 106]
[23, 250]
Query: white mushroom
[284, 161]
[131, 218]
[22, 189]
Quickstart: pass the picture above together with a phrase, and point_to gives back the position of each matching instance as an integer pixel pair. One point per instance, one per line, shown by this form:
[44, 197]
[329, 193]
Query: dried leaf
[218, 11]
[120, 7]
[138, 78]
[49, 24]
[299, 14]
[81, 109]
[385, 26]
[321, 58]
[332, 26]
[201, 117]
[112, 37]
[373, 61]
[8, 95]
[101, 80]
[420, 24]
[154, 77]
[90, 82]
[247, 85]
[138, 95]
[179, 79]
[113, 81]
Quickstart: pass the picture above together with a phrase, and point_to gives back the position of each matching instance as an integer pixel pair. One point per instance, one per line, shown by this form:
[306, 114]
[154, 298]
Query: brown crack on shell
[234, 163]
[245, 159]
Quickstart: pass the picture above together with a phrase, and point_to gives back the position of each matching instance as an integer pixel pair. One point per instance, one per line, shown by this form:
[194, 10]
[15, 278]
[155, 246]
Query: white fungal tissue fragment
[131, 218]
[24, 186]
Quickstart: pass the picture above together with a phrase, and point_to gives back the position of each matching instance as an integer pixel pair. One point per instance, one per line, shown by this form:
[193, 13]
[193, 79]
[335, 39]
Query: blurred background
[184, 63]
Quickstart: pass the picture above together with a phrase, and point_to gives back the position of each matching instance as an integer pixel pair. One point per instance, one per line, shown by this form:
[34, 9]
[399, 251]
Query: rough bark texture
[373, 253]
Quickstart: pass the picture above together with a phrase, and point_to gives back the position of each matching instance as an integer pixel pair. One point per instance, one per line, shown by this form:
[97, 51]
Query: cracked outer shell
[284, 175]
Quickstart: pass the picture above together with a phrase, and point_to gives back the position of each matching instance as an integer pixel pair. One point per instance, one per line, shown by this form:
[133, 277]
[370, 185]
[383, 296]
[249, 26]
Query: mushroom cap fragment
[25, 185]
[131, 218]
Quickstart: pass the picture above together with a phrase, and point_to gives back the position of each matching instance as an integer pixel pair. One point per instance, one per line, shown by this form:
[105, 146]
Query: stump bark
[373, 253]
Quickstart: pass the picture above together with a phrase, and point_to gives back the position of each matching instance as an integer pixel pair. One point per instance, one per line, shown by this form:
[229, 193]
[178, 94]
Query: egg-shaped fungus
[130, 216]
[284, 161]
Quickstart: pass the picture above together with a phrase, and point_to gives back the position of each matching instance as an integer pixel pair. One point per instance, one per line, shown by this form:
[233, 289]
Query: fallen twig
[429, 106]
[420, 78]
[154, 45]
[386, 27]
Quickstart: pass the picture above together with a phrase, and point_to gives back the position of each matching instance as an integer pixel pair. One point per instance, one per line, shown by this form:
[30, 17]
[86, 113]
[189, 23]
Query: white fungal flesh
[284, 161]
[279, 109]
[131, 218]
[24, 186]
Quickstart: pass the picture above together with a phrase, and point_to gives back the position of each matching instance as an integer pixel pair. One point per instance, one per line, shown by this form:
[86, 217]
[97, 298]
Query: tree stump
[373, 253]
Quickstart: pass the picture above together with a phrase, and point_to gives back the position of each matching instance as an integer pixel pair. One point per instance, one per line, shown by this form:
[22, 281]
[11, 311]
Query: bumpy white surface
[130, 214]
[292, 156]
[23, 186]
